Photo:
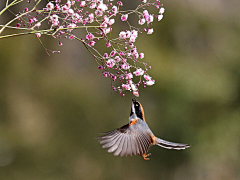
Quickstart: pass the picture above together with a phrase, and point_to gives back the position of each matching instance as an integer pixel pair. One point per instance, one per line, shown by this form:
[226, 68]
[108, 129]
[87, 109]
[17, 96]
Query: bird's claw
[146, 155]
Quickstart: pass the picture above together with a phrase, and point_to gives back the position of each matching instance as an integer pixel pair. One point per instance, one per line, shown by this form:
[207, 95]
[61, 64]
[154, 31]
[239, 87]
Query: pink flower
[108, 44]
[125, 66]
[134, 87]
[113, 53]
[150, 18]
[82, 3]
[134, 33]
[138, 72]
[150, 82]
[54, 17]
[38, 35]
[161, 10]
[128, 34]
[117, 58]
[93, 5]
[50, 6]
[145, 12]
[141, 21]
[122, 35]
[160, 17]
[90, 36]
[91, 43]
[70, 12]
[105, 74]
[38, 24]
[126, 86]
[65, 9]
[141, 55]
[102, 7]
[135, 93]
[124, 17]
[150, 31]
[111, 22]
[114, 9]
[147, 77]
[110, 63]
[132, 39]
[68, 4]
[71, 26]
[129, 76]
[18, 25]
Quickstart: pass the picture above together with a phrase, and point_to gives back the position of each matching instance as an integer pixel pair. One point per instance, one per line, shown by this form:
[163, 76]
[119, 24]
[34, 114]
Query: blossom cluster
[120, 60]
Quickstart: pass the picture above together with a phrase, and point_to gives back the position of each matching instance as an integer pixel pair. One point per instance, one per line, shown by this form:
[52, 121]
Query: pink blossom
[90, 36]
[145, 12]
[150, 18]
[150, 31]
[108, 44]
[68, 4]
[132, 39]
[135, 93]
[122, 35]
[65, 9]
[147, 77]
[91, 43]
[125, 66]
[134, 87]
[38, 35]
[82, 3]
[141, 21]
[160, 17]
[124, 17]
[91, 16]
[129, 76]
[138, 72]
[113, 53]
[98, 13]
[134, 33]
[110, 63]
[111, 22]
[150, 82]
[70, 12]
[141, 55]
[93, 5]
[161, 10]
[114, 9]
[102, 7]
[128, 34]
[126, 86]
[117, 58]
[71, 26]
[50, 6]
[105, 74]
[38, 24]
[54, 17]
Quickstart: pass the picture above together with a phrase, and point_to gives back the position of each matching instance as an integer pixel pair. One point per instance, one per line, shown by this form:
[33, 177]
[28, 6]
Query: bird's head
[137, 110]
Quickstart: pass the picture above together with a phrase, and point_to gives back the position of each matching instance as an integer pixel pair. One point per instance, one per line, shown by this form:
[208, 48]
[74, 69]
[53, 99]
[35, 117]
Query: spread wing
[127, 140]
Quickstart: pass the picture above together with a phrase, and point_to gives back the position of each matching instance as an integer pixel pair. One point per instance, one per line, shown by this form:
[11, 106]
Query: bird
[135, 138]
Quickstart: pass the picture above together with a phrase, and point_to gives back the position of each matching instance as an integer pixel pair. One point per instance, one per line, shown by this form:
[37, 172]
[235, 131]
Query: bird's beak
[134, 100]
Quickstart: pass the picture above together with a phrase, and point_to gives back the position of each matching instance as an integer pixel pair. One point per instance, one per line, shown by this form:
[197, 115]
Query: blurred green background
[52, 107]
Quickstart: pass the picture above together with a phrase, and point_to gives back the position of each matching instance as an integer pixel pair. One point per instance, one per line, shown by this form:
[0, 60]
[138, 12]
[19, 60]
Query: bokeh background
[53, 107]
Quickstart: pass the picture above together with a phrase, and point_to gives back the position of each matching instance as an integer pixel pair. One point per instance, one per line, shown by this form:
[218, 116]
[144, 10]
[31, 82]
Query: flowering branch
[120, 60]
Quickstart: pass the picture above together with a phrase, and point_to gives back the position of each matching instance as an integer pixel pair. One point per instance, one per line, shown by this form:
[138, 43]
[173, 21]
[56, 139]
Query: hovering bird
[135, 137]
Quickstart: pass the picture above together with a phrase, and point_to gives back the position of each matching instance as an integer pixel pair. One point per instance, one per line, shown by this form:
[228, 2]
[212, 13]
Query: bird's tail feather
[171, 145]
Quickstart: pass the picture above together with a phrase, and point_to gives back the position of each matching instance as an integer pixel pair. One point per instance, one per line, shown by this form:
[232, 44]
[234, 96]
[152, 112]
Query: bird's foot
[146, 155]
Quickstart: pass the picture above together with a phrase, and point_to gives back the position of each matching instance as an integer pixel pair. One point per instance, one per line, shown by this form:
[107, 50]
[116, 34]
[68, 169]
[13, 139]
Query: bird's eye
[136, 105]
